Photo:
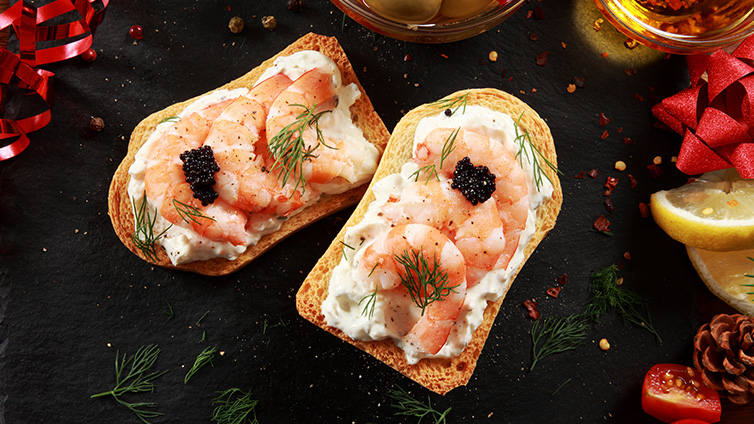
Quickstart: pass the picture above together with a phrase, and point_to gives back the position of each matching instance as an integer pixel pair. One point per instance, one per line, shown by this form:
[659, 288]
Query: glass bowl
[433, 31]
[678, 36]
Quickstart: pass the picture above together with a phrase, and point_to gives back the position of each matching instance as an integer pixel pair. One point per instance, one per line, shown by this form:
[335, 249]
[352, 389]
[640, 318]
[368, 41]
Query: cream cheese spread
[343, 308]
[184, 245]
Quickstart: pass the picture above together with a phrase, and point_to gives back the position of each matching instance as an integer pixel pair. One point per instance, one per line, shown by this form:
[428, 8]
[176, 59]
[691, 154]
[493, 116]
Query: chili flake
[563, 279]
[602, 224]
[609, 186]
[531, 306]
[542, 58]
[627, 255]
[654, 170]
[609, 205]
[593, 173]
[605, 135]
[630, 71]
[554, 291]
[604, 120]
[563, 44]
[605, 54]
[408, 58]
[581, 175]
[533, 36]
[632, 181]
[644, 210]
[578, 82]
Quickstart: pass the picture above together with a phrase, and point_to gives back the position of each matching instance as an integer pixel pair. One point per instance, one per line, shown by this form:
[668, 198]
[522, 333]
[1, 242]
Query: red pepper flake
[632, 181]
[538, 14]
[604, 120]
[602, 225]
[533, 90]
[630, 71]
[654, 170]
[529, 14]
[667, 56]
[644, 210]
[609, 205]
[627, 256]
[227, 7]
[563, 44]
[580, 176]
[620, 130]
[609, 186]
[605, 134]
[444, 56]
[638, 97]
[554, 291]
[563, 279]
[542, 58]
[605, 54]
[531, 306]
[593, 173]
[511, 78]
[578, 82]
[408, 58]
[533, 36]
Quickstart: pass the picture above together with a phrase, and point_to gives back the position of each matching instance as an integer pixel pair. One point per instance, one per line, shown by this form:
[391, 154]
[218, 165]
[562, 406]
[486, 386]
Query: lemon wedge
[714, 212]
[729, 275]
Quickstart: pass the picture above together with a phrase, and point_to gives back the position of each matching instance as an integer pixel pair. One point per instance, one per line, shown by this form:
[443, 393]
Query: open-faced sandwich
[211, 183]
[466, 189]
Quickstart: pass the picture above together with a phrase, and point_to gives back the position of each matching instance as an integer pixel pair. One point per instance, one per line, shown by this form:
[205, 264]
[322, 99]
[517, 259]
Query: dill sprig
[557, 335]
[136, 380]
[170, 119]
[526, 148]
[280, 323]
[234, 406]
[453, 104]
[343, 247]
[289, 148]
[607, 295]
[204, 358]
[199, 321]
[144, 237]
[371, 299]
[189, 213]
[447, 149]
[411, 407]
[169, 312]
[426, 284]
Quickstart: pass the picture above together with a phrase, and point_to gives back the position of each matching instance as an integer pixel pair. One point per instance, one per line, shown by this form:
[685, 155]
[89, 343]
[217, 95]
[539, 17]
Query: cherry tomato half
[675, 392]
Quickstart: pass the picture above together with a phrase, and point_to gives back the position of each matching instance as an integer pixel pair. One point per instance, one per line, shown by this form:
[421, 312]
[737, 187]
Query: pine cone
[724, 354]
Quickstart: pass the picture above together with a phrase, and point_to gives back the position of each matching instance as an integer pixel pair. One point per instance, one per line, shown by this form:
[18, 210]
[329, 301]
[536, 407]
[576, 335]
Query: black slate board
[71, 295]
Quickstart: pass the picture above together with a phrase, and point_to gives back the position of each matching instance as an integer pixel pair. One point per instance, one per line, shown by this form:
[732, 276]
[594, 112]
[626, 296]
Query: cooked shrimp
[476, 230]
[165, 183]
[381, 263]
[511, 193]
[238, 142]
[313, 91]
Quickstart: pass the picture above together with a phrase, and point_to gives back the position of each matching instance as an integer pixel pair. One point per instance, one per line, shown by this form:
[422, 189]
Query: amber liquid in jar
[430, 11]
[690, 17]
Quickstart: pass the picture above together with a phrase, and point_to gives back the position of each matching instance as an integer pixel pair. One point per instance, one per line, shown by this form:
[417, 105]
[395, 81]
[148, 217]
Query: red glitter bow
[55, 42]
[716, 115]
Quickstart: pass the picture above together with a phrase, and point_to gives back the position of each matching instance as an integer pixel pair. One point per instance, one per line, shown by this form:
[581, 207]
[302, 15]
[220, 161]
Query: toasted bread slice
[438, 375]
[362, 113]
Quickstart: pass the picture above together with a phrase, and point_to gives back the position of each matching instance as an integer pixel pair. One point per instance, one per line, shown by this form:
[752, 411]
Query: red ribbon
[716, 115]
[70, 39]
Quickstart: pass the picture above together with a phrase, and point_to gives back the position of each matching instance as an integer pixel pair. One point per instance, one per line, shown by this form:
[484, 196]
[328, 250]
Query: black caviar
[199, 166]
[476, 183]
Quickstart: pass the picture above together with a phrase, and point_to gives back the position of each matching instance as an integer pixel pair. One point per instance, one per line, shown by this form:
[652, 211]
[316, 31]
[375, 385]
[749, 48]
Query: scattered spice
[531, 306]
[598, 24]
[604, 345]
[609, 186]
[605, 135]
[492, 56]
[580, 175]
[563, 279]
[638, 97]
[627, 256]
[630, 71]
[136, 32]
[96, 124]
[654, 170]
[620, 165]
[295, 5]
[542, 58]
[408, 58]
[631, 43]
[632, 181]
[579, 82]
[563, 44]
[571, 88]
[628, 141]
[605, 54]
[657, 160]
[593, 173]
[529, 14]
[269, 22]
[604, 120]
[602, 225]
[554, 291]
[236, 24]
[89, 55]
[643, 210]
[533, 36]
[609, 205]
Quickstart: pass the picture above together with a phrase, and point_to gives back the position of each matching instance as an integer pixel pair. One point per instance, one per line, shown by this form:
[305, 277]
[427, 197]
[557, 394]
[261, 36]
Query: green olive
[462, 8]
[411, 11]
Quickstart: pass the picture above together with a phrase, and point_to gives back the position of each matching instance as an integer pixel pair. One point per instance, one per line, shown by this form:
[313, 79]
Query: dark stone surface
[72, 295]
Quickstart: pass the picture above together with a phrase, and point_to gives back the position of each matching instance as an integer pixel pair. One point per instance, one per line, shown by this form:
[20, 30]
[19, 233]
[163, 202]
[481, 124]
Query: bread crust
[438, 375]
[362, 113]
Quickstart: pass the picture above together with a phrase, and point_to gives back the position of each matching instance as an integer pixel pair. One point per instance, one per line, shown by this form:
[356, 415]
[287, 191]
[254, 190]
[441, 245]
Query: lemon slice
[714, 212]
[729, 275]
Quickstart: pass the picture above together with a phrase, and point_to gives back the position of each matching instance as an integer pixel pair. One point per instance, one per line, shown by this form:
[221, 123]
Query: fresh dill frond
[202, 317]
[343, 247]
[234, 406]
[453, 104]
[136, 380]
[526, 148]
[189, 213]
[280, 323]
[144, 237]
[426, 283]
[169, 312]
[556, 335]
[170, 119]
[204, 337]
[371, 299]
[430, 170]
[289, 148]
[561, 386]
[204, 358]
[410, 407]
[607, 295]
